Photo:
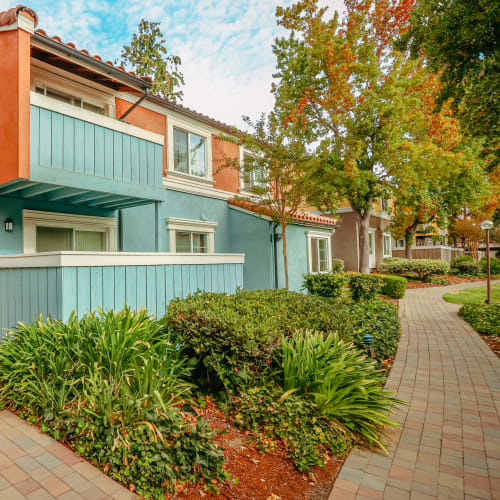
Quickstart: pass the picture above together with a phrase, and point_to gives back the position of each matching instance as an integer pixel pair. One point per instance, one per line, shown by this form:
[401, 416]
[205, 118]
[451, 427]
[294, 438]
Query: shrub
[324, 284]
[466, 266]
[394, 286]
[293, 420]
[420, 267]
[484, 318]
[230, 337]
[494, 266]
[111, 384]
[342, 382]
[337, 265]
[461, 258]
[364, 286]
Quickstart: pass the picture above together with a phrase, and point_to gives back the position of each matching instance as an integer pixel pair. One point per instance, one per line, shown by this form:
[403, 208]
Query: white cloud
[225, 45]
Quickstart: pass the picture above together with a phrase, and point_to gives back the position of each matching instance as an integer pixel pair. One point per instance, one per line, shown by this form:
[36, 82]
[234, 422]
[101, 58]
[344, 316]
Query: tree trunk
[409, 241]
[364, 245]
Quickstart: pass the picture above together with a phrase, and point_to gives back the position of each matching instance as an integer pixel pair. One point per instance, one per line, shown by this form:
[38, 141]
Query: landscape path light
[487, 225]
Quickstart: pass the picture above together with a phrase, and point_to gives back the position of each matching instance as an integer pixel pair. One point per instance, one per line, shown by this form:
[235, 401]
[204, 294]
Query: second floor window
[70, 99]
[252, 178]
[189, 153]
[186, 242]
[384, 205]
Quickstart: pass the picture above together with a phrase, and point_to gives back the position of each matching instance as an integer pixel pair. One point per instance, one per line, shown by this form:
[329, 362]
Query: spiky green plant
[342, 381]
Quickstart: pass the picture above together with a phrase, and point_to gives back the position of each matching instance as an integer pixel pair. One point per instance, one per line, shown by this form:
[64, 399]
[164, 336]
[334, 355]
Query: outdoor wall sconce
[8, 225]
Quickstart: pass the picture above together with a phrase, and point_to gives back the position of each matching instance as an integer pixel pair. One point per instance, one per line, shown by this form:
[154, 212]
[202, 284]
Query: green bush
[111, 384]
[307, 435]
[494, 266]
[465, 265]
[461, 258]
[324, 284]
[484, 318]
[337, 265]
[364, 286]
[340, 380]
[394, 286]
[421, 267]
[379, 318]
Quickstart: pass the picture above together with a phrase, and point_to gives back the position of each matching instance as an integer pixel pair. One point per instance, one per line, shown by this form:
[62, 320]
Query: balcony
[81, 157]
[59, 283]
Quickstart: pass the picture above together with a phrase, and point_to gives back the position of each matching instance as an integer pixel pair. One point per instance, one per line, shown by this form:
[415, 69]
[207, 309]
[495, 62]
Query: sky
[224, 45]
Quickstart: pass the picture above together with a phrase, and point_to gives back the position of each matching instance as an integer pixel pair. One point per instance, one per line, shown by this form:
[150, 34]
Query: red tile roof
[10, 16]
[304, 217]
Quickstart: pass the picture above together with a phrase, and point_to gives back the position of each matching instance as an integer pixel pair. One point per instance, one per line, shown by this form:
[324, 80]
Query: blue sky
[225, 45]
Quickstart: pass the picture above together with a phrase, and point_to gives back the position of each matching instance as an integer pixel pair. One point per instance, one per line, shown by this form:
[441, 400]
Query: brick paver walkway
[34, 466]
[448, 445]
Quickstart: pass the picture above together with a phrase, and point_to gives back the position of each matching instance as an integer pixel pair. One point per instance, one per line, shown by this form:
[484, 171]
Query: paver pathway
[448, 445]
[36, 467]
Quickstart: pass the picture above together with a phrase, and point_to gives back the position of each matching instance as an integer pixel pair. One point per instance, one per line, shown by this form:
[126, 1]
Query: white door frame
[372, 252]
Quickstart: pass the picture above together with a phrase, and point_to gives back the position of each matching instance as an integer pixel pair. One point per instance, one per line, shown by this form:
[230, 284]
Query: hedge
[394, 286]
[421, 267]
[364, 286]
[324, 284]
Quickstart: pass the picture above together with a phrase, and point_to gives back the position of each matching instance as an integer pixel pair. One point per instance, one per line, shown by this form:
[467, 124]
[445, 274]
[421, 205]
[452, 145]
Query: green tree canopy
[148, 56]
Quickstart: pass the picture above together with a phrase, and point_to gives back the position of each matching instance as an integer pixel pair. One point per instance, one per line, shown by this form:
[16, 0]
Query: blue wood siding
[66, 143]
[27, 293]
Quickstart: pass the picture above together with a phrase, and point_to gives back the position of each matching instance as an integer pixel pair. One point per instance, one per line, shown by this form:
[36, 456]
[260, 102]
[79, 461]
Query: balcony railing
[59, 283]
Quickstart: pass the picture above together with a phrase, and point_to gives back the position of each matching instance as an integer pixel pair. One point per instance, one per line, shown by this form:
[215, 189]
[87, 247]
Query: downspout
[129, 110]
[120, 230]
[275, 243]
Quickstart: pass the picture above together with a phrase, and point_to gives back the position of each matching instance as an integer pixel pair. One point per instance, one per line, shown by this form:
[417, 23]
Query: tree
[367, 107]
[148, 56]
[468, 229]
[278, 163]
[461, 40]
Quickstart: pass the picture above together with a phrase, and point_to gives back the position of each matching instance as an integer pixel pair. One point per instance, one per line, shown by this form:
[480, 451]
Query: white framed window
[52, 232]
[191, 236]
[69, 97]
[189, 149]
[400, 243]
[384, 205]
[249, 180]
[387, 245]
[319, 253]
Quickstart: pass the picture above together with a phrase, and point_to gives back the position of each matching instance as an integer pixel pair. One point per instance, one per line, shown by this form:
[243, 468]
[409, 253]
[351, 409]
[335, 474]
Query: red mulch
[493, 342]
[260, 476]
[452, 280]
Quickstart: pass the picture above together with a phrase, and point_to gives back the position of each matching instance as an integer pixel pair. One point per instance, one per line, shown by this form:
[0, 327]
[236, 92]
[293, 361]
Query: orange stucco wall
[14, 105]
[227, 178]
[146, 119]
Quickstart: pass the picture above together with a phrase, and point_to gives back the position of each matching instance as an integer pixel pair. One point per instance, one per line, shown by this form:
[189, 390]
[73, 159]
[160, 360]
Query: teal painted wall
[12, 243]
[27, 293]
[71, 145]
[139, 222]
[252, 236]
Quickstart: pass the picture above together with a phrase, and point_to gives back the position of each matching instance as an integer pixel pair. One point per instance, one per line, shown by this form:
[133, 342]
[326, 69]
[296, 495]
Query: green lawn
[473, 295]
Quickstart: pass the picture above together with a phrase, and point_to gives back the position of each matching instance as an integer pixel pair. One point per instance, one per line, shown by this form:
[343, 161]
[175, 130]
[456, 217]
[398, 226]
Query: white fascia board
[98, 259]
[88, 116]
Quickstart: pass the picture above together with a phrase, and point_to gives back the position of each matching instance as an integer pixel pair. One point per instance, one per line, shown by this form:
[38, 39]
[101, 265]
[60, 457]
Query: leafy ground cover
[289, 372]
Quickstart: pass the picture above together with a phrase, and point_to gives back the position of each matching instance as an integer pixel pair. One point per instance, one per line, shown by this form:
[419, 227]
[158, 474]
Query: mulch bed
[451, 280]
[493, 342]
[260, 476]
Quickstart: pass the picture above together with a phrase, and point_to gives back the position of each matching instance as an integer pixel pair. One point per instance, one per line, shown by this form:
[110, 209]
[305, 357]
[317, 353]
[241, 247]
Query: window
[189, 153]
[386, 242]
[252, 179]
[53, 232]
[384, 205]
[400, 243]
[191, 236]
[70, 99]
[319, 252]
[191, 242]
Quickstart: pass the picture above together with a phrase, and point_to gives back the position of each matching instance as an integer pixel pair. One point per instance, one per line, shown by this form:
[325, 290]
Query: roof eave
[99, 66]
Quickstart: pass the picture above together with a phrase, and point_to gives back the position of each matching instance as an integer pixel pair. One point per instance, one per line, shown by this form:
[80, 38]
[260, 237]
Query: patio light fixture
[368, 341]
[8, 225]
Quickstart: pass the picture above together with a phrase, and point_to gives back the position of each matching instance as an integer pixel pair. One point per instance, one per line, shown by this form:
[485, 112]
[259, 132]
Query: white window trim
[88, 116]
[175, 224]
[188, 127]
[387, 235]
[396, 247]
[242, 189]
[32, 219]
[318, 234]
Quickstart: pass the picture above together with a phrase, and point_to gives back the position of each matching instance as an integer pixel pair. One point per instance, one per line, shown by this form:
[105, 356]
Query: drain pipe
[276, 237]
[129, 110]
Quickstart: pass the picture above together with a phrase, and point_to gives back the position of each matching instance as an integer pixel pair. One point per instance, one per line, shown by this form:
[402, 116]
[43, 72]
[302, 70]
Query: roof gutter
[102, 67]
